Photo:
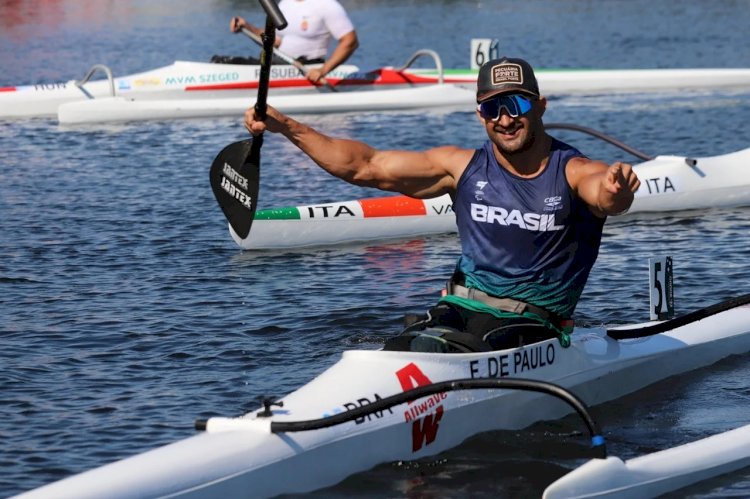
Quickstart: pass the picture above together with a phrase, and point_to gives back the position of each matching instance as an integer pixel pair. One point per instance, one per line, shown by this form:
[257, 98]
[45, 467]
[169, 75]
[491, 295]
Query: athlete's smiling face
[514, 135]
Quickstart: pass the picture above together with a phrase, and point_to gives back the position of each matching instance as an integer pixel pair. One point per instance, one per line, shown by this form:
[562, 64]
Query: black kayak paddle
[235, 172]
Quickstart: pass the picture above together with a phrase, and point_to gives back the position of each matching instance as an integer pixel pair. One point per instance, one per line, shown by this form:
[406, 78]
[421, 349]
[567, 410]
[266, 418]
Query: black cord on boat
[641, 332]
[597, 440]
[600, 135]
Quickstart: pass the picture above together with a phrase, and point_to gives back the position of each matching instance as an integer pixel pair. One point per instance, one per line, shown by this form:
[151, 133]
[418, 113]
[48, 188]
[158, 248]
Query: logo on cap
[507, 73]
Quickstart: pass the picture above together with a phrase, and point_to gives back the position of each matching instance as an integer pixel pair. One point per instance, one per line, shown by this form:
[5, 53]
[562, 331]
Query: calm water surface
[126, 311]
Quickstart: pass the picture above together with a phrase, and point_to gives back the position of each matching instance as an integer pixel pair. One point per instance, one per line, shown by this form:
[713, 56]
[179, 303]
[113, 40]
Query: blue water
[126, 311]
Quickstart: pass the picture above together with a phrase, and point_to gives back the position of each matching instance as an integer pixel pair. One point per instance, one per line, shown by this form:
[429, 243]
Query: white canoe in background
[655, 474]
[123, 109]
[668, 183]
[422, 92]
[554, 82]
[245, 457]
[369, 219]
[187, 89]
[181, 80]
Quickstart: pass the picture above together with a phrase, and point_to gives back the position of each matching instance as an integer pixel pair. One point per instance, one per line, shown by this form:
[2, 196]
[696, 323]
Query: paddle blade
[234, 179]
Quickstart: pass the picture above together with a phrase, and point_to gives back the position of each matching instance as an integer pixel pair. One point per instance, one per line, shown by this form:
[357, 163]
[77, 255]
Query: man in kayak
[530, 212]
[312, 26]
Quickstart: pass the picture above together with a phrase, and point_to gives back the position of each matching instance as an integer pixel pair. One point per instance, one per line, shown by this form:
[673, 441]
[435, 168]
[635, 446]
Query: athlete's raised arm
[420, 174]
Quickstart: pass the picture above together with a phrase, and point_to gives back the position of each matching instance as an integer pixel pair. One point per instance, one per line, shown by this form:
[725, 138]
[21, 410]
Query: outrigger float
[668, 184]
[409, 405]
[656, 474]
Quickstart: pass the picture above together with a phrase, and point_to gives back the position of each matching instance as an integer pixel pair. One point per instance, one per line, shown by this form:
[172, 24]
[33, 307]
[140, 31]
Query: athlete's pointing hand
[618, 186]
[619, 177]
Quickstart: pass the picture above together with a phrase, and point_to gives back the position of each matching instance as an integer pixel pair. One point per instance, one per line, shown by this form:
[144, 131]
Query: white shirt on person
[311, 25]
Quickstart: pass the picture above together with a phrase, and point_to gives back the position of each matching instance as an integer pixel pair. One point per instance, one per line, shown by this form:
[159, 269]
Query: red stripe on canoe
[7, 89]
[244, 85]
[252, 85]
[392, 206]
[375, 78]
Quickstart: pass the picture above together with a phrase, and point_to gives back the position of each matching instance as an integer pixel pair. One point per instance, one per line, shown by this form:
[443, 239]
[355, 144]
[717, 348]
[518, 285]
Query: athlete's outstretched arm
[607, 189]
[420, 174]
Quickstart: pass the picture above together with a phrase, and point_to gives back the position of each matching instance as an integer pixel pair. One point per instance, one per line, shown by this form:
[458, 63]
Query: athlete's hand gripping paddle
[286, 58]
[235, 172]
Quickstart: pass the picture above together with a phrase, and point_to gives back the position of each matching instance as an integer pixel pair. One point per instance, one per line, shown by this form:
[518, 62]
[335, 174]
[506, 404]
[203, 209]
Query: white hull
[240, 457]
[183, 80]
[668, 183]
[195, 89]
[122, 109]
[658, 473]
[429, 96]
[561, 82]
[331, 223]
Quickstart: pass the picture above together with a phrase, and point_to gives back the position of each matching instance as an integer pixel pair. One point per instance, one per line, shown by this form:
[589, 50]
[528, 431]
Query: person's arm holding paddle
[420, 174]
[237, 23]
[346, 46]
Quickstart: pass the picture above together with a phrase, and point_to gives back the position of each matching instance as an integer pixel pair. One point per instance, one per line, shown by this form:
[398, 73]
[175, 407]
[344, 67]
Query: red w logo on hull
[425, 433]
[424, 426]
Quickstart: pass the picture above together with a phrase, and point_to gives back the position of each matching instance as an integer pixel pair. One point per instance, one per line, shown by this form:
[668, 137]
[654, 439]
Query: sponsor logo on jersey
[553, 203]
[479, 194]
[535, 222]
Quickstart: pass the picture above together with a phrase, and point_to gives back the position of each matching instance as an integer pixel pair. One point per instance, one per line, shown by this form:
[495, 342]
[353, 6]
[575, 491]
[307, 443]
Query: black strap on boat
[603, 136]
[597, 440]
[641, 332]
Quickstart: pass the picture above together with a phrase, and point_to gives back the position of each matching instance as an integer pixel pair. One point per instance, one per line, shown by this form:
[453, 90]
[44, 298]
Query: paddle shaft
[273, 14]
[274, 20]
[235, 172]
[269, 37]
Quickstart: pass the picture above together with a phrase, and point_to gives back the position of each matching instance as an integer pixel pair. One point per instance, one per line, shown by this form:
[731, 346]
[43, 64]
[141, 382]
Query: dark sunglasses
[516, 105]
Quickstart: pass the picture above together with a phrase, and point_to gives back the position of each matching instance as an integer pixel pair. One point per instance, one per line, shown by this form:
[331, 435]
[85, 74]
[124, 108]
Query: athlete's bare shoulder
[452, 158]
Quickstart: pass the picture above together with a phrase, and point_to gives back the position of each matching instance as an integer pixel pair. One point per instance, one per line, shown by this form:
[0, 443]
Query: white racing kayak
[668, 183]
[182, 80]
[417, 91]
[655, 474]
[362, 220]
[124, 109]
[263, 454]
[381, 91]
[187, 89]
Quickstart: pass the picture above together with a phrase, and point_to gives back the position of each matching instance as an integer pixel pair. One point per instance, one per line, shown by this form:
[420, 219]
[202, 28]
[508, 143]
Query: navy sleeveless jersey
[530, 239]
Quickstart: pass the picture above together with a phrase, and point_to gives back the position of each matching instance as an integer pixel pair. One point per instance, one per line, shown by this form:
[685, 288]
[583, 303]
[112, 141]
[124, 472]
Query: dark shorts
[449, 328]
